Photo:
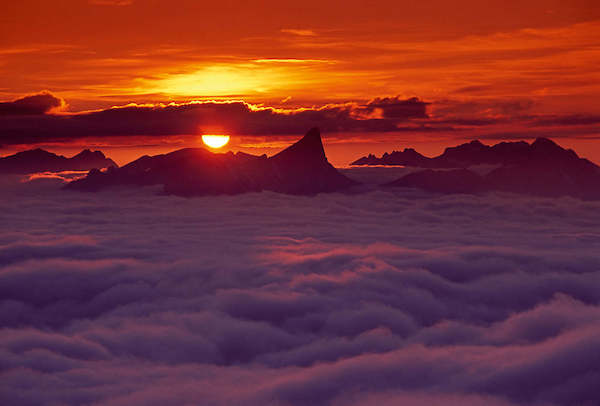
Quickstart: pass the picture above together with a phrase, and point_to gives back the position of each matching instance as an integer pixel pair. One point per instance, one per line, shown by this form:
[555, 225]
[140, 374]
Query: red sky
[490, 70]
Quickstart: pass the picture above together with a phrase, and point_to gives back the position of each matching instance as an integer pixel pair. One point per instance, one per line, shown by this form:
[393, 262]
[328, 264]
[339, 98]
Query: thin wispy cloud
[111, 2]
[300, 32]
[292, 60]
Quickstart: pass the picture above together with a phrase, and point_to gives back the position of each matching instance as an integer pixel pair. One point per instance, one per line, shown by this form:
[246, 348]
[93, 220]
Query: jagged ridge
[542, 168]
[299, 169]
[39, 160]
[475, 153]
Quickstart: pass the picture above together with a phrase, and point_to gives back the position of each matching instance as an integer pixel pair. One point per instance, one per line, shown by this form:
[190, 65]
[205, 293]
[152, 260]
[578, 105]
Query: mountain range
[39, 160]
[541, 168]
[300, 169]
[475, 153]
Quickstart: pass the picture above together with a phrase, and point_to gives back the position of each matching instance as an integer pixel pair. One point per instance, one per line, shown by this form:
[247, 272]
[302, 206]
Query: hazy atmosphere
[310, 203]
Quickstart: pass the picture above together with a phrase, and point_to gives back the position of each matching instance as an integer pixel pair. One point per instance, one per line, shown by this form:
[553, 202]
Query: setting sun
[215, 141]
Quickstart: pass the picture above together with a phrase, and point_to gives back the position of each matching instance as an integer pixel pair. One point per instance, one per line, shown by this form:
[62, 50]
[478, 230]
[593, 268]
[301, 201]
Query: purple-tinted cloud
[134, 298]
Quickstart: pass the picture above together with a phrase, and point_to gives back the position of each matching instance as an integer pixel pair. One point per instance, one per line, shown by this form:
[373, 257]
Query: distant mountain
[443, 181]
[39, 160]
[300, 169]
[408, 157]
[542, 168]
[474, 153]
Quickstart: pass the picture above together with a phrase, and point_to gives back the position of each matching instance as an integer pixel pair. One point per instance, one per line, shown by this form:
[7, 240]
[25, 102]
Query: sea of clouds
[380, 298]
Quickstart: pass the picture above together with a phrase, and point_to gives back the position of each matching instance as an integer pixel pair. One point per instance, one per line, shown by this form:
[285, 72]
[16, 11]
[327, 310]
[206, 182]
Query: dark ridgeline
[408, 157]
[300, 169]
[474, 153]
[542, 168]
[39, 160]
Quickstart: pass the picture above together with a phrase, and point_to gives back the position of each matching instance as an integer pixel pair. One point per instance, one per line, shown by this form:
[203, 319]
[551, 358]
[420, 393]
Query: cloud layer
[41, 120]
[265, 299]
[236, 117]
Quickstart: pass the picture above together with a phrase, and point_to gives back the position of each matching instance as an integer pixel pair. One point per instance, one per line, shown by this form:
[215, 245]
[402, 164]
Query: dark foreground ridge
[542, 169]
[39, 160]
[300, 169]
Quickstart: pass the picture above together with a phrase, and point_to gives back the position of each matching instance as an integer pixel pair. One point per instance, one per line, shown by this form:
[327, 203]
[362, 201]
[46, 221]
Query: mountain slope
[303, 168]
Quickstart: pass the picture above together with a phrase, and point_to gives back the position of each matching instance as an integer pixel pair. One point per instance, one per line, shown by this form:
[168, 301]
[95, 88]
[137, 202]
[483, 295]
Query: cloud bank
[234, 117]
[42, 119]
[380, 298]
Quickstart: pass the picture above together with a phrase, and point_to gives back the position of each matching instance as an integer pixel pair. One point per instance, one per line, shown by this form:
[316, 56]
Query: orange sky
[468, 59]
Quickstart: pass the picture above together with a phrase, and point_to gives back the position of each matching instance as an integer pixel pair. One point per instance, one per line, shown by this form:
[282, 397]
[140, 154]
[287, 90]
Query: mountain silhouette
[542, 168]
[408, 157]
[474, 153]
[39, 160]
[303, 168]
[300, 169]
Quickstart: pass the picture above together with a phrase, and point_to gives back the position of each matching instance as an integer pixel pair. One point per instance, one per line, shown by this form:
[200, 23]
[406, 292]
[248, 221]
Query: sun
[215, 141]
